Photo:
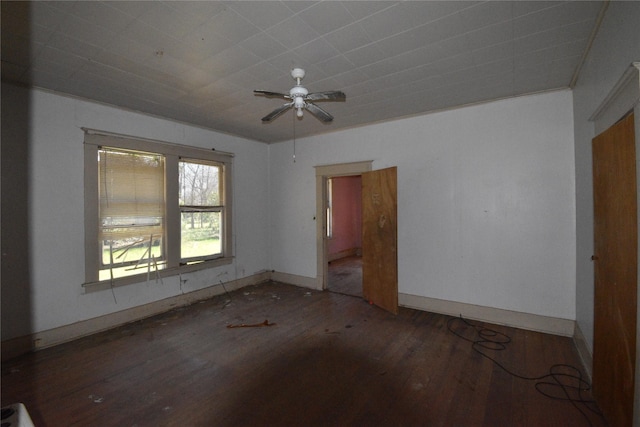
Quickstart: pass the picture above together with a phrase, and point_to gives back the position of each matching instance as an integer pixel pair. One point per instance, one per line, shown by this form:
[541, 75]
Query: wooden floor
[345, 276]
[328, 360]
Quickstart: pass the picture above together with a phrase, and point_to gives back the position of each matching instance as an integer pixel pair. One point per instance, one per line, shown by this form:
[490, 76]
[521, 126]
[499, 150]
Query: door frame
[623, 97]
[324, 172]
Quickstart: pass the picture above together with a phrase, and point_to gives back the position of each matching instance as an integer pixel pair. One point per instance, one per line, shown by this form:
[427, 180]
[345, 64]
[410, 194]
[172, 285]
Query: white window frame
[205, 208]
[172, 153]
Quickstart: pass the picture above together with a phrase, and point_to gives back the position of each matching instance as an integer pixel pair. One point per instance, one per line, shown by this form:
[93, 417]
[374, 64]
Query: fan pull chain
[294, 137]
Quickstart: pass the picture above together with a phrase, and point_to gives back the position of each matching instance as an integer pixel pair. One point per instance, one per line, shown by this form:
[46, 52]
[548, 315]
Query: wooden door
[615, 258]
[379, 238]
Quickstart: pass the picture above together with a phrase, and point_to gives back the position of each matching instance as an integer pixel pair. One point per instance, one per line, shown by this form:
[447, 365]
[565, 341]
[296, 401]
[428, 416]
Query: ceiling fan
[300, 99]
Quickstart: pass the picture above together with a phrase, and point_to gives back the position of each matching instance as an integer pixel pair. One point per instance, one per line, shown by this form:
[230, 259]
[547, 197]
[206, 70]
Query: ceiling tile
[206, 40]
[231, 25]
[81, 29]
[554, 17]
[420, 14]
[315, 51]
[292, 32]
[46, 15]
[163, 18]
[335, 65]
[299, 6]
[102, 14]
[199, 62]
[493, 53]
[348, 38]
[387, 22]
[263, 45]
[486, 14]
[131, 8]
[196, 12]
[326, 16]
[368, 54]
[526, 7]
[361, 9]
[491, 35]
[68, 44]
[261, 16]
[229, 61]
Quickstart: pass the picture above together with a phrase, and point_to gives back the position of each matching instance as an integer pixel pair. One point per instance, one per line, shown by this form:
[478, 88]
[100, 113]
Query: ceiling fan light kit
[301, 99]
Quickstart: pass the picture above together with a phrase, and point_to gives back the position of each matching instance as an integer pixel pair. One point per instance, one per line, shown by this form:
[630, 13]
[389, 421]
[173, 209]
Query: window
[131, 212]
[153, 209]
[201, 210]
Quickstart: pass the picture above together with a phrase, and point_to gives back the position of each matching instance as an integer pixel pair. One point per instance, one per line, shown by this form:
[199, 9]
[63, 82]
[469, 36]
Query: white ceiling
[198, 62]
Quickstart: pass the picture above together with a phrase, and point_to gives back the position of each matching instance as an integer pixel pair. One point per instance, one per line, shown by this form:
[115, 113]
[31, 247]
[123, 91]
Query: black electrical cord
[228, 295]
[562, 382]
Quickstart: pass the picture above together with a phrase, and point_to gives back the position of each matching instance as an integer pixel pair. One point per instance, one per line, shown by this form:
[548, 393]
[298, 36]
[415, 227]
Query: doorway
[344, 234]
[323, 176]
[379, 230]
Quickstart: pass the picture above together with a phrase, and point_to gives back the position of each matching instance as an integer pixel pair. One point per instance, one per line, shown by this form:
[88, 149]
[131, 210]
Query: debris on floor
[255, 325]
[96, 399]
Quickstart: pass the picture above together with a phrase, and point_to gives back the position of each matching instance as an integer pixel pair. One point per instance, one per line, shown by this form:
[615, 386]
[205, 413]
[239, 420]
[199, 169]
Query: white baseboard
[532, 322]
[39, 340]
[583, 350]
[294, 279]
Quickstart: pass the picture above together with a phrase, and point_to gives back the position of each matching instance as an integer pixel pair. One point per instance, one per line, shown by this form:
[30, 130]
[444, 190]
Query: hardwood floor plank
[330, 359]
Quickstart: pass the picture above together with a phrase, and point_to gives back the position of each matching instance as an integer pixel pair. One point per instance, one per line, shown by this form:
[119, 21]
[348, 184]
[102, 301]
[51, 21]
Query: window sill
[153, 276]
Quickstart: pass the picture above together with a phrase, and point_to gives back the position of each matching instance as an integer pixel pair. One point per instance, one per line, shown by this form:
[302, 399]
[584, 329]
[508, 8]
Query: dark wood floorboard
[329, 360]
[345, 276]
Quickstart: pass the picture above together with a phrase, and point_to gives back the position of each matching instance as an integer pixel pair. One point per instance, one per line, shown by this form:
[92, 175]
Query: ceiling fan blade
[275, 113]
[319, 112]
[334, 95]
[272, 94]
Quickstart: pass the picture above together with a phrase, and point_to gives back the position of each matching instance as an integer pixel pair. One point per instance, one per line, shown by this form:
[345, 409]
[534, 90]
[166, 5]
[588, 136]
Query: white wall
[486, 201]
[615, 48]
[53, 157]
[486, 204]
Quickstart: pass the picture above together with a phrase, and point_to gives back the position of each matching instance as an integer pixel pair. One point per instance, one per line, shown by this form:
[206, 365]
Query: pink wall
[347, 214]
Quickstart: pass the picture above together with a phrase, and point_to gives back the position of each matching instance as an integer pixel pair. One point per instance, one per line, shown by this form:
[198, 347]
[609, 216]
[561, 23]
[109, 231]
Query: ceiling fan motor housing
[298, 93]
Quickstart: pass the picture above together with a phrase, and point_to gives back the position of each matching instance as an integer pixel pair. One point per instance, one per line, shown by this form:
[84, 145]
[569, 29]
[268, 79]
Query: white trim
[622, 98]
[583, 351]
[294, 279]
[344, 169]
[515, 319]
[170, 146]
[40, 340]
[173, 153]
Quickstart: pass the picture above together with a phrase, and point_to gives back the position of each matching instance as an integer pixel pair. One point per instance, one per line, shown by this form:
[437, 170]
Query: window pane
[200, 234]
[126, 257]
[131, 212]
[199, 184]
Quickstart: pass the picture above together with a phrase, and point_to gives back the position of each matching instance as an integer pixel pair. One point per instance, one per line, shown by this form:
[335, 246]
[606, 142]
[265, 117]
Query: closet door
[615, 268]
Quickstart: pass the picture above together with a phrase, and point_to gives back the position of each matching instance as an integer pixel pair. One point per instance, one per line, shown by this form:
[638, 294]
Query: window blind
[131, 195]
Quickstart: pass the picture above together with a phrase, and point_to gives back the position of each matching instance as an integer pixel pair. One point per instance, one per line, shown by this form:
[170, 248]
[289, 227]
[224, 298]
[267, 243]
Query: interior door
[615, 268]
[380, 238]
